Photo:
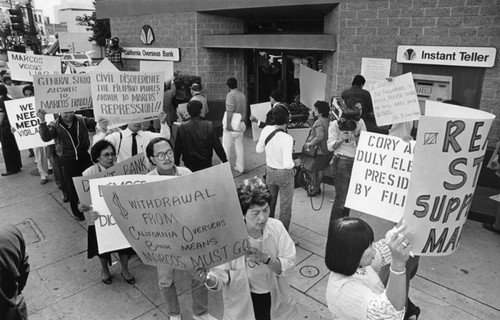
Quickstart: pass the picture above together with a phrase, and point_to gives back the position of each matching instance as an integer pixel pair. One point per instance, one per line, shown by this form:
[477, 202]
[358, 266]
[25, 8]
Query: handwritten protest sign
[380, 176]
[16, 92]
[374, 70]
[109, 235]
[56, 93]
[137, 164]
[395, 101]
[127, 96]
[151, 66]
[312, 86]
[23, 118]
[106, 65]
[24, 66]
[449, 152]
[191, 221]
[259, 111]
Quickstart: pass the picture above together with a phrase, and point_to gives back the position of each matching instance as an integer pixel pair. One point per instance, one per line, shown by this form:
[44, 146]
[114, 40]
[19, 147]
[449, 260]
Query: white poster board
[395, 101]
[312, 86]
[16, 92]
[57, 93]
[374, 70]
[109, 235]
[259, 111]
[449, 152]
[380, 176]
[127, 96]
[23, 118]
[24, 66]
[155, 66]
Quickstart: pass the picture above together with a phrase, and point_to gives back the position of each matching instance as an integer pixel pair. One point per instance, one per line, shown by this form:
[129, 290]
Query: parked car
[76, 59]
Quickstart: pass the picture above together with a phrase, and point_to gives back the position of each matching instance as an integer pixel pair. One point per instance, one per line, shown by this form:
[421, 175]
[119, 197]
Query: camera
[349, 119]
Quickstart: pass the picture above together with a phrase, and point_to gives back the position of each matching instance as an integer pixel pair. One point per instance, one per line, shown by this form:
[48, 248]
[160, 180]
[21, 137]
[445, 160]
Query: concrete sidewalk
[64, 284]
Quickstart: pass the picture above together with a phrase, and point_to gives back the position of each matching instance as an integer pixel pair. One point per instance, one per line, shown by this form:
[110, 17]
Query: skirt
[93, 248]
[314, 164]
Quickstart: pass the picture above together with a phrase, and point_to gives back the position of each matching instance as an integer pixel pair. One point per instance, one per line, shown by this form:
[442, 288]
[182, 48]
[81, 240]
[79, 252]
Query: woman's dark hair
[252, 192]
[281, 115]
[347, 239]
[323, 108]
[358, 80]
[3, 90]
[276, 95]
[97, 148]
[29, 87]
[151, 146]
[232, 83]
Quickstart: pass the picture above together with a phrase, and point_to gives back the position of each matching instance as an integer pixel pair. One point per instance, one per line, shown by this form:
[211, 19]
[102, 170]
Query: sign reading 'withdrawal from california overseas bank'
[168, 54]
[450, 56]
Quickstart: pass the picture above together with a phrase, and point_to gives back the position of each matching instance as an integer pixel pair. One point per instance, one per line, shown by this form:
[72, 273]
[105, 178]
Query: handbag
[310, 151]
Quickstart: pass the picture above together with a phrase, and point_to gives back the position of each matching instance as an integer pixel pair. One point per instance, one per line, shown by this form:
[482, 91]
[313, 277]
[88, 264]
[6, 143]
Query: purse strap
[271, 135]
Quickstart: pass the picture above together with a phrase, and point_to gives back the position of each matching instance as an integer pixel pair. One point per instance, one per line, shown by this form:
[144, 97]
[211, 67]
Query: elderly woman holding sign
[254, 286]
[354, 289]
[104, 156]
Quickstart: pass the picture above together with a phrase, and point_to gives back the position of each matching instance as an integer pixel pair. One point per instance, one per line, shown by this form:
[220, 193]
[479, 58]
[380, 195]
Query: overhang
[317, 42]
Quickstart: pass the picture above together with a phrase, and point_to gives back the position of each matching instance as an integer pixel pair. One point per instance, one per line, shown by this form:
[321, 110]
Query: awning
[317, 42]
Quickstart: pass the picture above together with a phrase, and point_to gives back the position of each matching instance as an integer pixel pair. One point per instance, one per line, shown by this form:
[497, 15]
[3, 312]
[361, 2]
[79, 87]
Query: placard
[380, 176]
[191, 221]
[16, 92]
[23, 118]
[395, 101]
[24, 66]
[137, 164]
[127, 96]
[109, 235]
[374, 71]
[259, 111]
[57, 93]
[312, 86]
[449, 152]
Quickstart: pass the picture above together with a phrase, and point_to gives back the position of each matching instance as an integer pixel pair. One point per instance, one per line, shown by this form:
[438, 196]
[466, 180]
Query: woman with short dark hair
[354, 289]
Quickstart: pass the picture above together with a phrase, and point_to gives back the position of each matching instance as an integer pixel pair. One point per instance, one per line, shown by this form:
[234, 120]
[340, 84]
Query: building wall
[375, 28]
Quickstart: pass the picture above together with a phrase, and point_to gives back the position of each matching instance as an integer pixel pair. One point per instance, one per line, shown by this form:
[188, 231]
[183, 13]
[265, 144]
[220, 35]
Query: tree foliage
[100, 28]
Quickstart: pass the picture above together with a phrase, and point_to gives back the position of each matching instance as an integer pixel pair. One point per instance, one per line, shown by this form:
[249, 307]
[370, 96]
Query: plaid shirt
[114, 54]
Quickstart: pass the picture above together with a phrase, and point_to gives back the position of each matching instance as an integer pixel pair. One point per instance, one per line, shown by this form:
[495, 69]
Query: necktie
[134, 143]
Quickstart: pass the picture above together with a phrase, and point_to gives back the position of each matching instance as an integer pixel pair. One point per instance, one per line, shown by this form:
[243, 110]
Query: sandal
[129, 281]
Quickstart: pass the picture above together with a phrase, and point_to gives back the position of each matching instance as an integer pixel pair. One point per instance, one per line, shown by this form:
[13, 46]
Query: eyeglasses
[108, 155]
[163, 155]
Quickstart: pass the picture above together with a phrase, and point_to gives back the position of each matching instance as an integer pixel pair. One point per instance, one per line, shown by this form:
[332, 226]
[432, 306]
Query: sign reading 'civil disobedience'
[127, 96]
[191, 221]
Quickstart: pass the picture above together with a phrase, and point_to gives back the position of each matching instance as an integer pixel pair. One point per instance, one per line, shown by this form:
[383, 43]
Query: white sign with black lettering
[450, 56]
[167, 54]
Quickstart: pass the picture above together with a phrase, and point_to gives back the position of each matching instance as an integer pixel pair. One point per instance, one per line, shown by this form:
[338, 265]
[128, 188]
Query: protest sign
[312, 86]
[137, 164]
[109, 235]
[24, 66]
[191, 221]
[259, 111]
[449, 152]
[57, 93]
[23, 118]
[106, 65]
[16, 92]
[151, 66]
[380, 176]
[127, 96]
[374, 71]
[395, 101]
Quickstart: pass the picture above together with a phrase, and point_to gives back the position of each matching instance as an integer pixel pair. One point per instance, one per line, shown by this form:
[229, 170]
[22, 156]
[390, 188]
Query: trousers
[236, 137]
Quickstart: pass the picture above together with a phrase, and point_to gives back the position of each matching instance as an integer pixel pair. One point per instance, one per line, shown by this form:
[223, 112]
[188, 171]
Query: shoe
[80, 217]
[108, 280]
[206, 316]
[410, 313]
[490, 227]
[240, 171]
[44, 181]
[65, 198]
[129, 281]
[8, 173]
[176, 317]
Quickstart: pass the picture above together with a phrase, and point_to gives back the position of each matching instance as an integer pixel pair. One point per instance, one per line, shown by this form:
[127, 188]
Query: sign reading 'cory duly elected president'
[380, 176]
[187, 222]
[127, 96]
[56, 93]
[449, 152]
[23, 118]
[24, 66]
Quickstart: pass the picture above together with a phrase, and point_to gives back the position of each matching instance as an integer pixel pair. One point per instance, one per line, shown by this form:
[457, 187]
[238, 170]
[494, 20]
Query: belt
[341, 156]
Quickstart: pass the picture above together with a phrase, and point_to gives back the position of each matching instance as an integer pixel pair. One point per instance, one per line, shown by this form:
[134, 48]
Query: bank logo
[147, 35]
[410, 54]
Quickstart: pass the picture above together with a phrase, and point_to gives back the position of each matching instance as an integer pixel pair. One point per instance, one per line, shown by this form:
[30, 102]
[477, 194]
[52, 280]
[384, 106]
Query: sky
[48, 7]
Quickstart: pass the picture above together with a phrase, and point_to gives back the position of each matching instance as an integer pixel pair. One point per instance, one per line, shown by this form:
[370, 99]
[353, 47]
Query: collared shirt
[350, 139]
[114, 54]
[122, 141]
[278, 149]
[179, 171]
[203, 100]
[237, 103]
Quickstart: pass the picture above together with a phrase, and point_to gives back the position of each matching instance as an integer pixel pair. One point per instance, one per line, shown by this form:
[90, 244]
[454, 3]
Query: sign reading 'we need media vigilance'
[451, 56]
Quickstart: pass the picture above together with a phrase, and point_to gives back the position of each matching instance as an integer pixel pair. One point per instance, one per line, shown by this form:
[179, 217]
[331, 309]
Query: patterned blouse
[362, 295]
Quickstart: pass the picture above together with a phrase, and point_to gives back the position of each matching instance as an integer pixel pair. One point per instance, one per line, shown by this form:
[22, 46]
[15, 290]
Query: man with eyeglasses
[133, 139]
[196, 141]
[160, 153]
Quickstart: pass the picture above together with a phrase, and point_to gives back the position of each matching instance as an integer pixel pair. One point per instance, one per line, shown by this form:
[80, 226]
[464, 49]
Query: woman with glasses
[104, 156]
[254, 286]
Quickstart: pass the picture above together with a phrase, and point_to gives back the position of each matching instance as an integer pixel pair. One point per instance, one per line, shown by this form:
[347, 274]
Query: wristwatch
[268, 259]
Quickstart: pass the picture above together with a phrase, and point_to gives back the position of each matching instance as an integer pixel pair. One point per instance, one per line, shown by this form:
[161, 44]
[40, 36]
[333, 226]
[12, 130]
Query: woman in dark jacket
[71, 137]
[11, 154]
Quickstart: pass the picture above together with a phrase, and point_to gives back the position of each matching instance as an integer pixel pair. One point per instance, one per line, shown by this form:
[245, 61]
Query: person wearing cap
[196, 92]
[114, 52]
[236, 103]
[196, 140]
